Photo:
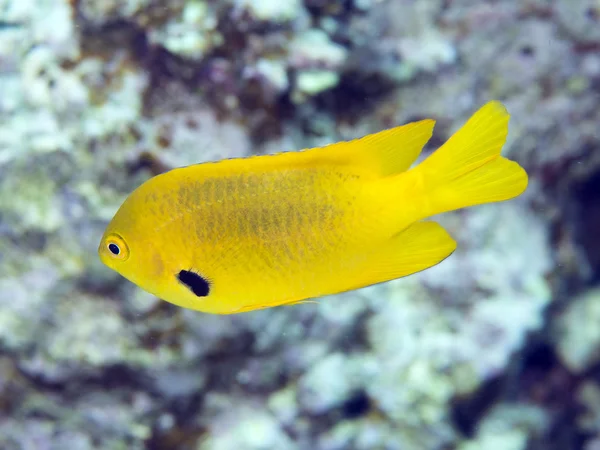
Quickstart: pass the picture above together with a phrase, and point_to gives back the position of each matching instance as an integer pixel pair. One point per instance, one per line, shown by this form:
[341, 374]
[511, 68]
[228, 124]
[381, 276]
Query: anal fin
[420, 246]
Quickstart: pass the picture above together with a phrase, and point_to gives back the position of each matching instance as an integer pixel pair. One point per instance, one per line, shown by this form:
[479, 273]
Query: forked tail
[468, 169]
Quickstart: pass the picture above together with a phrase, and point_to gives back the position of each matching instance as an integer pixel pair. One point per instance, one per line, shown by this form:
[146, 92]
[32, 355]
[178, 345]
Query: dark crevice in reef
[117, 376]
[536, 377]
[468, 410]
[356, 406]
[356, 95]
[179, 437]
[572, 187]
[587, 226]
[544, 381]
[186, 432]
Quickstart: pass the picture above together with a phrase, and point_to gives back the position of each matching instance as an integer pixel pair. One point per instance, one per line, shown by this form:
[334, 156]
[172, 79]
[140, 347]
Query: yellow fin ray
[420, 246]
[468, 169]
[387, 152]
[265, 305]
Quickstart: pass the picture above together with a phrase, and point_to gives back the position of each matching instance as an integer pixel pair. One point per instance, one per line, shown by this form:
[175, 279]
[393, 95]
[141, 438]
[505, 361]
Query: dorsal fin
[387, 152]
[382, 154]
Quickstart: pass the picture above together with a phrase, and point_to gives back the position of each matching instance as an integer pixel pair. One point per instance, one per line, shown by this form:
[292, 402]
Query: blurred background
[498, 347]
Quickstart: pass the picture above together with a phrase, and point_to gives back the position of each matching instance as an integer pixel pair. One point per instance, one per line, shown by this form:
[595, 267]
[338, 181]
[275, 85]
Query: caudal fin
[468, 169]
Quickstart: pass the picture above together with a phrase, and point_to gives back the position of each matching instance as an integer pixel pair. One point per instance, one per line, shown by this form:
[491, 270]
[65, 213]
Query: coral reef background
[498, 347]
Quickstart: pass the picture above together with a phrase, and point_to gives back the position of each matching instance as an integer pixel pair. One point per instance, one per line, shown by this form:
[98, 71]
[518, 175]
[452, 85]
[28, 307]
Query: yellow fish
[241, 234]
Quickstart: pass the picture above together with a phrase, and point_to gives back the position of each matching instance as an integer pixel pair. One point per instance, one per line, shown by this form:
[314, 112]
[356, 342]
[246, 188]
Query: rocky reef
[496, 348]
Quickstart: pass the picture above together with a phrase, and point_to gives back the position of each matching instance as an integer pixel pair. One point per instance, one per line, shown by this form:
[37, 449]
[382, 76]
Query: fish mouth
[102, 253]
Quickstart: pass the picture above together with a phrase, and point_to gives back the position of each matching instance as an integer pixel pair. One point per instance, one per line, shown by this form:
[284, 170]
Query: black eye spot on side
[194, 282]
[114, 249]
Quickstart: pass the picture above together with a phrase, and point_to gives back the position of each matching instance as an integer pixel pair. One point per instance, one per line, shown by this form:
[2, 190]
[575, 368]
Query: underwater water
[497, 347]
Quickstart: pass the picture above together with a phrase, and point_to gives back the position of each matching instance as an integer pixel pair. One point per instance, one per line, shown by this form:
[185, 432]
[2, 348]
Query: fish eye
[117, 248]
